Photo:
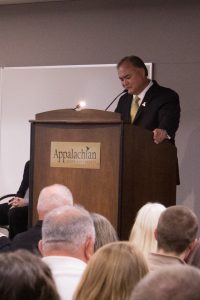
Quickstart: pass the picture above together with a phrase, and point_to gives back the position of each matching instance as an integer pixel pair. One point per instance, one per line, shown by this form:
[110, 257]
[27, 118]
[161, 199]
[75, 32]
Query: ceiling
[3, 2]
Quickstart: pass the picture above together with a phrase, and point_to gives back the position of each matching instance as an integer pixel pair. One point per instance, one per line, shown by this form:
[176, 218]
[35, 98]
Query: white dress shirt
[67, 272]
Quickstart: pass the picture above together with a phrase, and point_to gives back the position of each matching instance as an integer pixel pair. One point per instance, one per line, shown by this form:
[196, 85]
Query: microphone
[80, 106]
[124, 91]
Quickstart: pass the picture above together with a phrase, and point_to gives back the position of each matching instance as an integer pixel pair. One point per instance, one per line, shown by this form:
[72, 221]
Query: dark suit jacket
[160, 108]
[28, 239]
[4, 244]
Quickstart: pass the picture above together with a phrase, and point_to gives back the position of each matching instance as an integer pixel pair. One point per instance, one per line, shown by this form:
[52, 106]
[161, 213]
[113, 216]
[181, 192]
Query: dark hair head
[135, 61]
[25, 276]
[177, 228]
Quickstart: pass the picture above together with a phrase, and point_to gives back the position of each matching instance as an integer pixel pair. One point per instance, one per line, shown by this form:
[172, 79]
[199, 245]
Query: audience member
[24, 276]
[142, 233]
[104, 231]
[15, 212]
[176, 232]
[50, 197]
[177, 283]
[67, 243]
[112, 273]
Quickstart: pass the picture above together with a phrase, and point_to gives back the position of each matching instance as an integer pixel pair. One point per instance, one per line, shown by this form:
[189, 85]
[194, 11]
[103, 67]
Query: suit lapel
[128, 107]
[147, 99]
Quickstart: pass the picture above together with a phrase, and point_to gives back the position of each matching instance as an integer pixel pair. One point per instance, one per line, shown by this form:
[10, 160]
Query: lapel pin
[144, 104]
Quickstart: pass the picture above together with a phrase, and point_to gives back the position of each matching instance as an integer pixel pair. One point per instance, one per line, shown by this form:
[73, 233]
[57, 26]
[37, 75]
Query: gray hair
[53, 196]
[68, 228]
[105, 232]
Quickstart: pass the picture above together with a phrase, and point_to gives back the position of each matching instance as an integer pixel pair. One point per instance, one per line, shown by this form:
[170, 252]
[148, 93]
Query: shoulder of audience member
[5, 243]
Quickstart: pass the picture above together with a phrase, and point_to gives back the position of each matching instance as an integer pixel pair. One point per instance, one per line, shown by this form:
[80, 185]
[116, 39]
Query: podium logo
[75, 155]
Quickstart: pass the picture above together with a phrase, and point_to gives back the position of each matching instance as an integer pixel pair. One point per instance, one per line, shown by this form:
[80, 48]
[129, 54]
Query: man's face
[132, 78]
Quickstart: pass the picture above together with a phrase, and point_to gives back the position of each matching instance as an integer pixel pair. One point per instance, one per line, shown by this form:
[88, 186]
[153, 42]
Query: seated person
[176, 233]
[15, 212]
[112, 273]
[104, 231]
[50, 197]
[25, 276]
[142, 232]
[67, 244]
[167, 283]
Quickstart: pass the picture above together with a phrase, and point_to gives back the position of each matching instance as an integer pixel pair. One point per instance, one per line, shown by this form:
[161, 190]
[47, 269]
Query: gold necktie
[134, 107]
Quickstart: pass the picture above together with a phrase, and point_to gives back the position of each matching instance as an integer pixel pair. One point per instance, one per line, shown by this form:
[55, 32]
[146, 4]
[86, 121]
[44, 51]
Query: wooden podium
[132, 169]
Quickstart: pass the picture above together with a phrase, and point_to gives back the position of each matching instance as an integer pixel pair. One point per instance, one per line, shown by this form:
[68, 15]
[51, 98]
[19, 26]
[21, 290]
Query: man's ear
[193, 244]
[191, 249]
[89, 248]
[156, 234]
[40, 246]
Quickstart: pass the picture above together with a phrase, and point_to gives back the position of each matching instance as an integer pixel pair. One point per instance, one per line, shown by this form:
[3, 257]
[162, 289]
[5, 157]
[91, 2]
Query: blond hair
[142, 233]
[112, 273]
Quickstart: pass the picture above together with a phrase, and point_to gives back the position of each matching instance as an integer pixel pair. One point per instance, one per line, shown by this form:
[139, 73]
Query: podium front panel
[96, 189]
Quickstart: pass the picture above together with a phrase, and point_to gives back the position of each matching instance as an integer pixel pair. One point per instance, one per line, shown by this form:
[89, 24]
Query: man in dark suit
[50, 197]
[158, 107]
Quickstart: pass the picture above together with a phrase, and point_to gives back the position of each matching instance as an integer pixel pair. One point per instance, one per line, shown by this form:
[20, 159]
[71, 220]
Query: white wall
[27, 91]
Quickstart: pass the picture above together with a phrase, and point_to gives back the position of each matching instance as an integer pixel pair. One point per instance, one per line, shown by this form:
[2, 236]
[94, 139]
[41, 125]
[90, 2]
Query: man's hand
[159, 135]
[17, 202]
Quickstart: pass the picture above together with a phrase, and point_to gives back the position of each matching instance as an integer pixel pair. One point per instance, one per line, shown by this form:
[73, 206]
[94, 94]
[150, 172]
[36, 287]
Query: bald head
[177, 283]
[68, 231]
[51, 197]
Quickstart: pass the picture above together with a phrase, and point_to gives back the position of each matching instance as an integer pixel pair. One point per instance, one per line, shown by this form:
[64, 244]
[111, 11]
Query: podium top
[83, 116]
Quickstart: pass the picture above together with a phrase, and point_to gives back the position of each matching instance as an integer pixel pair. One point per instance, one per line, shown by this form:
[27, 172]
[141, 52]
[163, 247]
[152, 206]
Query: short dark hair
[177, 228]
[135, 61]
[170, 282]
[25, 276]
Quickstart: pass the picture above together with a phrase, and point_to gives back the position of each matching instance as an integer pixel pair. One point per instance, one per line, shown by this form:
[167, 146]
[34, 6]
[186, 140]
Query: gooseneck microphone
[124, 91]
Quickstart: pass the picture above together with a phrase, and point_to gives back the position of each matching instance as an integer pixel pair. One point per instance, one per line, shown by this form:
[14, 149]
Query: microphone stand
[124, 91]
